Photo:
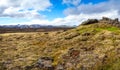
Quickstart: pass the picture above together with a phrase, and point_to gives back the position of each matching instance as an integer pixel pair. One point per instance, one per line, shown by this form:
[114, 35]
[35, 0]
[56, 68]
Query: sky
[56, 12]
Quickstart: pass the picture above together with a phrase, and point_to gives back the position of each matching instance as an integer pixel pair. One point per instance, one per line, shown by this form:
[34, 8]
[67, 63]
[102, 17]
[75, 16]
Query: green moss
[112, 28]
[97, 28]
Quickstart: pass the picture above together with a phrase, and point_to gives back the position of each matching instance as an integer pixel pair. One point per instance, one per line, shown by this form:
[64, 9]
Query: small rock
[118, 50]
[60, 67]
[104, 59]
[28, 67]
[74, 53]
[45, 63]
[0, 38]
[17, 68]
[88, 48]
[86, 34]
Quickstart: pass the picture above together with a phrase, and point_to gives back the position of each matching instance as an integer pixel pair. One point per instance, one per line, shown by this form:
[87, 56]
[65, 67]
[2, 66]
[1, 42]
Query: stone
[29, 67]
[90, 48]
[74, 53]
[17, 68]
[0, 38]
[86, 34]
[45, 63]
[118, 50]
[105, 19]
[116, 20]
[104, 59]
[60, 67]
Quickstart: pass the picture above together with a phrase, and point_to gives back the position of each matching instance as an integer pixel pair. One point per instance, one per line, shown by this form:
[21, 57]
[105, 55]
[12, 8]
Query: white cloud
[74, 15]
[72, 2]
[73, 19]
[21, 8]
[93, 8]
[82, 12]
[13, 12]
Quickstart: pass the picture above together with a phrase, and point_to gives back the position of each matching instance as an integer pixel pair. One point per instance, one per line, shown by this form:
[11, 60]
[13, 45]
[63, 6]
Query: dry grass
[97, 44]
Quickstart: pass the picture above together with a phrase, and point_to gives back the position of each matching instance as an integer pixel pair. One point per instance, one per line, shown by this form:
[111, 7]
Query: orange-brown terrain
[94, 45]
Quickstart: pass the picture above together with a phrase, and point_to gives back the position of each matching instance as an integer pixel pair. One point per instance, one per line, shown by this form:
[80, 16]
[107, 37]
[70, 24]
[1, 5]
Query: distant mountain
[34, 26]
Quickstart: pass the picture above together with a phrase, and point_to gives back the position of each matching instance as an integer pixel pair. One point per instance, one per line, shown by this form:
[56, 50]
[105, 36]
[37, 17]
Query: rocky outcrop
[44, 63]
[70, 60]
[114, 22]
[90, 21]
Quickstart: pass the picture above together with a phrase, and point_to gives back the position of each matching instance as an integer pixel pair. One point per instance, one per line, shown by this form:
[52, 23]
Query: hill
[94, 45]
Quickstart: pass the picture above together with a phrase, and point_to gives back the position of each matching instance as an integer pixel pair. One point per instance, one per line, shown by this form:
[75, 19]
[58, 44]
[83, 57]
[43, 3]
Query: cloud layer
[23, 8]
[93, 8]
[72, 2]
[110, 8]
[76, 12]
[71, 19]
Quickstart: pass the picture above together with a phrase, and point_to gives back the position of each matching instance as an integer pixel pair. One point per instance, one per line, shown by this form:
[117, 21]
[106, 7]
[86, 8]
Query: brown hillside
[94, 45]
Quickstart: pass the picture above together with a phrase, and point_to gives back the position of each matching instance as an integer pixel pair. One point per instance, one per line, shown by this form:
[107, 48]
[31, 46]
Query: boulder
[90, 21]
[114, 22]
[105, 19]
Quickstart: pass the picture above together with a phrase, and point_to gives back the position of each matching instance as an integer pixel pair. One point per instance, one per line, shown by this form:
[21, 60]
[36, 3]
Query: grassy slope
[98, 45]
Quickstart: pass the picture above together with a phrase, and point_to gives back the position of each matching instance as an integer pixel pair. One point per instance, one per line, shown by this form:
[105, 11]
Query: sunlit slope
[87, 47]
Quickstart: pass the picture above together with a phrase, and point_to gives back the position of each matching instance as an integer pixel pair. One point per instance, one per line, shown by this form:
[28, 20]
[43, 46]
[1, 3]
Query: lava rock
[45, 63]
[90, 21]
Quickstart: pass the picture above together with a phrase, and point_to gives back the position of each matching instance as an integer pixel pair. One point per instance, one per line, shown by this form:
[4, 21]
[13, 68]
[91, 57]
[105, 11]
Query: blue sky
[56, 12]
[58, 8]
